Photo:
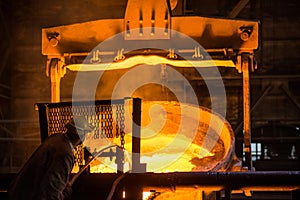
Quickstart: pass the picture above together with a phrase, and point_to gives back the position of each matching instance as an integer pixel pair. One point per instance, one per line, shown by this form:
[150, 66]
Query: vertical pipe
[246, 109]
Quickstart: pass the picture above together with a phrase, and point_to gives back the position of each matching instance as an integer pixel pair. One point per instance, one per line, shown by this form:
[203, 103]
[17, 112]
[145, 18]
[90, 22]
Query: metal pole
[246, 109]
[133, 190]
[137, 167]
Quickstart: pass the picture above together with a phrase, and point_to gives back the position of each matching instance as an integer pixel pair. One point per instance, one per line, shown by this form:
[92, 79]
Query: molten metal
[165, 147]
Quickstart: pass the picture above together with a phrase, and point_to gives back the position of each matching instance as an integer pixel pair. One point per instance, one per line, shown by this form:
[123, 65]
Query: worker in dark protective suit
[46, 174]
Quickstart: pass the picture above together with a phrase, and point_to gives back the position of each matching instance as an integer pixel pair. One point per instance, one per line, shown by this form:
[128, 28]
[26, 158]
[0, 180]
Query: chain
[106, 121]
[117, 121]
[109, 116]
[122, 126]
[97, 123]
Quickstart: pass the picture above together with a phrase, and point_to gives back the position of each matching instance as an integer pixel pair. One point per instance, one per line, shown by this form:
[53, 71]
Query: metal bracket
[55, 68]
[171, 54]
[197, 53]
[245, 58]
[120, 56]
[147, 20]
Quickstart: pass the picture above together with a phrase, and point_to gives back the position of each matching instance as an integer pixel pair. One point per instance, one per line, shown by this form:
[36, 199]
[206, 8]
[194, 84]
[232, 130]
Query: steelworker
[46, 174]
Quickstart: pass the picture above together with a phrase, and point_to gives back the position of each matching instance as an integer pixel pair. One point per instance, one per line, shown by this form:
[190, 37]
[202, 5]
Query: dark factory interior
[234, 62]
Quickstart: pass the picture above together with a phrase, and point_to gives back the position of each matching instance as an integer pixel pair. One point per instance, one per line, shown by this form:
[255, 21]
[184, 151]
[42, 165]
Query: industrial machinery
[150, 36]
[111, 122]
[229, 43]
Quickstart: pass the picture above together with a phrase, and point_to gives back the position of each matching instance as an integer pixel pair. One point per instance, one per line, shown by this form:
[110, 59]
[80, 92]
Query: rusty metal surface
[80, 37]
[214, 33]
[211, 33]
[144, 20]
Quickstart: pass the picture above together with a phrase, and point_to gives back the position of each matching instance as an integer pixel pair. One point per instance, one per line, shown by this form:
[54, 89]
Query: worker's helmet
[81, 124]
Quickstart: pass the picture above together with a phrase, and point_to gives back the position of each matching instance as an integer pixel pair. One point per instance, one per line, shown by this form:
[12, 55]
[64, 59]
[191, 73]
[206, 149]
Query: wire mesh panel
[107, 116]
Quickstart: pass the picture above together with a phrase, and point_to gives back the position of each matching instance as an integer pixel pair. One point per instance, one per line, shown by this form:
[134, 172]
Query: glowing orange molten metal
[204, 142]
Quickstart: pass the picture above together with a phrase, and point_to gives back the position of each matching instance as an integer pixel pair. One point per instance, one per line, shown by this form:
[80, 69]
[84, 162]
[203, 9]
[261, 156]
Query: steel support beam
[137, 166]
[291, 97]
[246, 110]
[238, 8]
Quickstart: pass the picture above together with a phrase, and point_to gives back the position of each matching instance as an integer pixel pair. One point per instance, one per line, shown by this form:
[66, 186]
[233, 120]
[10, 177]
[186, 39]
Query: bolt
[244, 36]
[53, 41]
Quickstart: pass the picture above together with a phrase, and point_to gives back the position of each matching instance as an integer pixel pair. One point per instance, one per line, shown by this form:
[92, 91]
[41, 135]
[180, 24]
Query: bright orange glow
[149, 60]
[155, 160]
[163, 146]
